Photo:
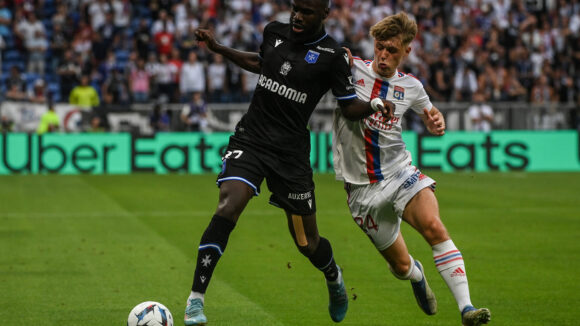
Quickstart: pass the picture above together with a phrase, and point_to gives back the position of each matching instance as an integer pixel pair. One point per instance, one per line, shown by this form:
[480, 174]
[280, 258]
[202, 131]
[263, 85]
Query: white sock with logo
[449, 263]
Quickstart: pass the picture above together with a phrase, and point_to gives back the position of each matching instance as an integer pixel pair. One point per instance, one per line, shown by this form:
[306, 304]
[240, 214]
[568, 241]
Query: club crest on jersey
[311, 56]
[285, 68]
[399, 93]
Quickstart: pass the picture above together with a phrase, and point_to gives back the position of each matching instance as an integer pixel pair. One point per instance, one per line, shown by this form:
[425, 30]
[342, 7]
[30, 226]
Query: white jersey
[369, 150]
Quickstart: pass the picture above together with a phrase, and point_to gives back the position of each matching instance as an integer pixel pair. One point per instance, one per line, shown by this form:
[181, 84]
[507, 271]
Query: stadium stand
[517, 53]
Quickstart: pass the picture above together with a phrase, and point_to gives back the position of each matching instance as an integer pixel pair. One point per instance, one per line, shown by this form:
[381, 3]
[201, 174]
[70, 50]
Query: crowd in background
[145, 51]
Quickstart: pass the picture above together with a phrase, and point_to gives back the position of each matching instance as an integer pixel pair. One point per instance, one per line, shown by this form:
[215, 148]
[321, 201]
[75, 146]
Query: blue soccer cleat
[194, 312]
[338, 300]
[471, 316]
[423, 294]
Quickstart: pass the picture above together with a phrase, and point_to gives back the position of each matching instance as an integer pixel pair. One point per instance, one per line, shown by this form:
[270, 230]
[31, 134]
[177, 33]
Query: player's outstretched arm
[434, 121]
[249, 61]
[356, 109]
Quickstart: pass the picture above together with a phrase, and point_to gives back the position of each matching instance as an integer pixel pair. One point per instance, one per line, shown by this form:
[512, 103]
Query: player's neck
[311, 38]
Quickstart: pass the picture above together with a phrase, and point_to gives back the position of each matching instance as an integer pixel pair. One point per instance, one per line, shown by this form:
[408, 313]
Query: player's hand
[434, 122]
[204, 35]
[387, 109]
[350, 60]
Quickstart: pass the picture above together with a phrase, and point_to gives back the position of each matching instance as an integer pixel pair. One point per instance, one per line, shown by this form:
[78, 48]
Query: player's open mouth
[297, 28]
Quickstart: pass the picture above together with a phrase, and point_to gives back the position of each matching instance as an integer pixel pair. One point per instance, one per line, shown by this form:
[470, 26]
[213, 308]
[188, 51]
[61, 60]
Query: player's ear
[326, 12]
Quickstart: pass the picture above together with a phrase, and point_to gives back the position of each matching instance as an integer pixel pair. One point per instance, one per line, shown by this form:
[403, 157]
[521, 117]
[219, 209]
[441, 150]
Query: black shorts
[288, 178]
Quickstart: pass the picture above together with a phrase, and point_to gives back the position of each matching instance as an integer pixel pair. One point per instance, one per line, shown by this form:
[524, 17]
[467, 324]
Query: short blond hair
[395, 25]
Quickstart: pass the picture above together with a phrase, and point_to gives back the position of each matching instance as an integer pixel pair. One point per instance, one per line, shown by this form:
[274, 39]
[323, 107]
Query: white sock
[414, 274]
[196, 295]
[449, 263]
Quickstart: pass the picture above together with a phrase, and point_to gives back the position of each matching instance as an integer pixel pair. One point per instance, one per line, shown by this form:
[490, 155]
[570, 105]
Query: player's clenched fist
[386, 107]
[204, 35]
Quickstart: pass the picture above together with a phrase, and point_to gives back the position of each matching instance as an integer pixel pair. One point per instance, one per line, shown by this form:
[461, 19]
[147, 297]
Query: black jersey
[293, 78]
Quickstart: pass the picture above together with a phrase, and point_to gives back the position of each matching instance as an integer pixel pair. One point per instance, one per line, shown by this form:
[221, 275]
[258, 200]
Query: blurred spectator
[15, 85]
[163, 24]
[143, 39]
[217, 83]
[480, 113]
[69, 72]
[139, 82]
[58, 45]
[165, 79]
[163, 40]
[187, 42]
[159, 119]
[465, 83]
[185, 18]
[175, 60]
[2, 47]
[14, 93]
[31, 32]
[194, 113]
[192, 77]
[82, 41]
[49, 122]
[117, 86]
[37, 46]
[5, 20]
[84, 95]
[60, 17]
[107, 31]
[38, 92]
[97, 12]
[512, 89]
[541, 92]
[121, 13]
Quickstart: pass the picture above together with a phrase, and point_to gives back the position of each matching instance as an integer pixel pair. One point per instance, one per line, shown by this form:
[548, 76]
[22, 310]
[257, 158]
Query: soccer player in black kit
[298, 63]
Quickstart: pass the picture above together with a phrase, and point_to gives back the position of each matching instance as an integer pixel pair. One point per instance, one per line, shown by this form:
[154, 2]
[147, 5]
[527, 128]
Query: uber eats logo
[497, 151]
[202, 153]
[111, 153]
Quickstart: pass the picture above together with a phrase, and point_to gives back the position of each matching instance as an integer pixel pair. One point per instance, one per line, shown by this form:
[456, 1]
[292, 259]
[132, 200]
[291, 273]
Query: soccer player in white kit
[383, 186]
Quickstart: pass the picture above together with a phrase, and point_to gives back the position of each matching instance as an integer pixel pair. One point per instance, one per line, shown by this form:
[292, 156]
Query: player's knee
[308, 248]
[233, 200]
[400, 269]
[434, 231]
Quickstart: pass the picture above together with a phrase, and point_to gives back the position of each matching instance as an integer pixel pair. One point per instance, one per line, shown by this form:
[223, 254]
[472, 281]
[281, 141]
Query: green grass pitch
[83, 250]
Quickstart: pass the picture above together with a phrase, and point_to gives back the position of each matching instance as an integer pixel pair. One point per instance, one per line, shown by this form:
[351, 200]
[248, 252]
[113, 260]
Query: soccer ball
[150, 313]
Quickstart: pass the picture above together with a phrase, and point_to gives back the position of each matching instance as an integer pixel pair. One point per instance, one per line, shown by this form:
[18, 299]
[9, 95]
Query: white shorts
[377, 208]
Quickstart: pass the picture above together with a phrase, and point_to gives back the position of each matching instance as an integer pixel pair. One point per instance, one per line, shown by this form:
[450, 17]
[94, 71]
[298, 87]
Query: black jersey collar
[309, 40]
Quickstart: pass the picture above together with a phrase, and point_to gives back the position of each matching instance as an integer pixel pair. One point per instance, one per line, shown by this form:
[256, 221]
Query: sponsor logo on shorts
[412, 179]
[300, 196]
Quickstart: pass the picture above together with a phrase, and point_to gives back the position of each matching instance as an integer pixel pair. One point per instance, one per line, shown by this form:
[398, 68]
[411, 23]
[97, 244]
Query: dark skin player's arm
[353, 109]
[356, 109]
[249, 61]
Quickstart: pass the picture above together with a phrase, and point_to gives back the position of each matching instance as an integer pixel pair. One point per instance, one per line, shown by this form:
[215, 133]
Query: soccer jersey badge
[311, 56]
[399, 93]
[286, 66]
